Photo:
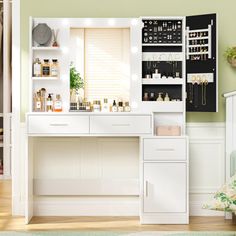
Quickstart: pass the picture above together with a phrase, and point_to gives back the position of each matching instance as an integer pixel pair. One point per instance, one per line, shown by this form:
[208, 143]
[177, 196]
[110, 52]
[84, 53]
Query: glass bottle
[145, 98]
[37, 68]
[152, 97]
[127, 107]
[114, 107]
[46, 68]
[105, 106]
[96, 106]
[57, 104]
[54, 68]
[49, 103]
[120, 107]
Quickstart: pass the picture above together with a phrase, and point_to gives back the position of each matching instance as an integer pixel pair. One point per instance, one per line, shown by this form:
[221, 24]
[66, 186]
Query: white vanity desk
[162, 161]
[108, 164]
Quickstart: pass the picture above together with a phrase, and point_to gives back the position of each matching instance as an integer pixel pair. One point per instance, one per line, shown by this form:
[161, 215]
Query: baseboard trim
[88, 207]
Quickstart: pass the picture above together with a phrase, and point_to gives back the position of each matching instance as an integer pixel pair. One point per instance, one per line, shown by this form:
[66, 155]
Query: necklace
[204, 92]
[190, 92]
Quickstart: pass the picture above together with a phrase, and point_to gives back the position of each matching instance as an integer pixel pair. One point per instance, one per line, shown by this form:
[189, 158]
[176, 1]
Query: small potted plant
[230, 55]
[76, 84]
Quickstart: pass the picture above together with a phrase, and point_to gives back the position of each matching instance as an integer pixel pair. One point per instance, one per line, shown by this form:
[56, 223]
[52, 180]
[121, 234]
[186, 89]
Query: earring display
[199, 44]
[162, 31]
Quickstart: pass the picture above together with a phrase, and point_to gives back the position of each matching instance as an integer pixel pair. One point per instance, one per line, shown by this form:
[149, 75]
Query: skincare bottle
[127, 107]
[160, 99]
[156, 75]
[49, 103]
[152, 98]
[145, 98]
[120, 107]
[46, 68]
[167, 98]
[37, 68]
[105, 106]
[96, 106]
[114, 107]
[57, 104]
[54, 68]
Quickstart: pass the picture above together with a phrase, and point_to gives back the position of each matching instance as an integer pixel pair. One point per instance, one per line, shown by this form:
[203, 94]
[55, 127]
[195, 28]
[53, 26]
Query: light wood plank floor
[7, 222]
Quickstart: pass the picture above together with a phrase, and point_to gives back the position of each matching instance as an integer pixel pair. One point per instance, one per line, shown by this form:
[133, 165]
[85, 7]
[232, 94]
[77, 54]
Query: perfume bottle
[49, 103]
[114, 107]
[145, 98]
[57, 104]
[160, 99]
[152, 97]
[127, 107]
[120, 107]
[166, 98]
[105, 106]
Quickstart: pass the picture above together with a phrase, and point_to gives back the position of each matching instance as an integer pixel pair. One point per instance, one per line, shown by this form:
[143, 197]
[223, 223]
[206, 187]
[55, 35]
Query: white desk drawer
[164, 149]
[120, 124]
[54, 124]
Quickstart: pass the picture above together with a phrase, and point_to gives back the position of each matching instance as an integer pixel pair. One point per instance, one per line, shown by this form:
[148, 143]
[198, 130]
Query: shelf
[197, 38]
[163, 44]
[1, 114]
[198, 45]
[175, 106]
[45, 78]
[1, 143]
[46, 48]
[167, 81]
[198, 30]
[197, 53]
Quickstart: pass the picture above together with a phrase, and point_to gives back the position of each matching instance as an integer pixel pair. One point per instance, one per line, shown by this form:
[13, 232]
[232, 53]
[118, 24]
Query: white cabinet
[164, 186]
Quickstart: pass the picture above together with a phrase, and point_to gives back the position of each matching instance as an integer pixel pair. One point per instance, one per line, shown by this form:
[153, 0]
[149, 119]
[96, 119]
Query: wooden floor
[7, 222]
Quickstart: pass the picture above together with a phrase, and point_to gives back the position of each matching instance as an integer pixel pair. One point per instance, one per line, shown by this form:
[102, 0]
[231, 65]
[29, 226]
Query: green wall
[135, 8]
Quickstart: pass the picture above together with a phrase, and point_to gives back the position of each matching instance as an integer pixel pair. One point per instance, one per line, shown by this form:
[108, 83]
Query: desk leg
[29, 198]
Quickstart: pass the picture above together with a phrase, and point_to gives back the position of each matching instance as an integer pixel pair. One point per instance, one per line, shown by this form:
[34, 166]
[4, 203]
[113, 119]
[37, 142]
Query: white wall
[207, 174]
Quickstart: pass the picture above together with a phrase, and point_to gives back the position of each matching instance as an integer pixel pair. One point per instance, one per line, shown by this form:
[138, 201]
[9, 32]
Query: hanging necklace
[149, 65]
[204, 92]
[191, 93]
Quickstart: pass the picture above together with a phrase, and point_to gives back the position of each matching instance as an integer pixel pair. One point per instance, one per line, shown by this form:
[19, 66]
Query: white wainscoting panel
[207, 164]
[207, 171]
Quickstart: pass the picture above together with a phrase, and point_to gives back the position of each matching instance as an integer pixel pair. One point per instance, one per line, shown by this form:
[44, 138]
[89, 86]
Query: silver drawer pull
[119, 125]
[59, 124]
[165, 150]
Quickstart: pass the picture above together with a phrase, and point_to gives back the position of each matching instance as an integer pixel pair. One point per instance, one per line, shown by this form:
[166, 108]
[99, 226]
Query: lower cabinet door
[165, 187]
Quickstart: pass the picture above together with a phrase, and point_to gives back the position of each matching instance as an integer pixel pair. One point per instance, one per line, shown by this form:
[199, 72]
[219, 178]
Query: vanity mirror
[103, 51]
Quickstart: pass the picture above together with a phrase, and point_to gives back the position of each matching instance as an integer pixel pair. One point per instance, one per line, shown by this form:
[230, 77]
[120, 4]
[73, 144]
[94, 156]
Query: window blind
[107, 63]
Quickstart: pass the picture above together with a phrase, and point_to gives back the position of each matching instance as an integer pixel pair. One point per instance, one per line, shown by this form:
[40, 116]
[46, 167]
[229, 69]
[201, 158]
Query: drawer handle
[59, 124]
[119, 125]
[165, 149]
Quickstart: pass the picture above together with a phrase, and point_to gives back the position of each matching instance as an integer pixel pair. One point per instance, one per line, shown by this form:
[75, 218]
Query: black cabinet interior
[174, 91]
[201, 94]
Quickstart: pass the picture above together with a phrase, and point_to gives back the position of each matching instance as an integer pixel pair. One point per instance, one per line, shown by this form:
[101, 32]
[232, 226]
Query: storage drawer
[120, 124]
[164, 149]
[55, 124]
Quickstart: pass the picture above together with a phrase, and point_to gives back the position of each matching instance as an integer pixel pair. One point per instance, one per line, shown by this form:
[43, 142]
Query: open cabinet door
[201, 63]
